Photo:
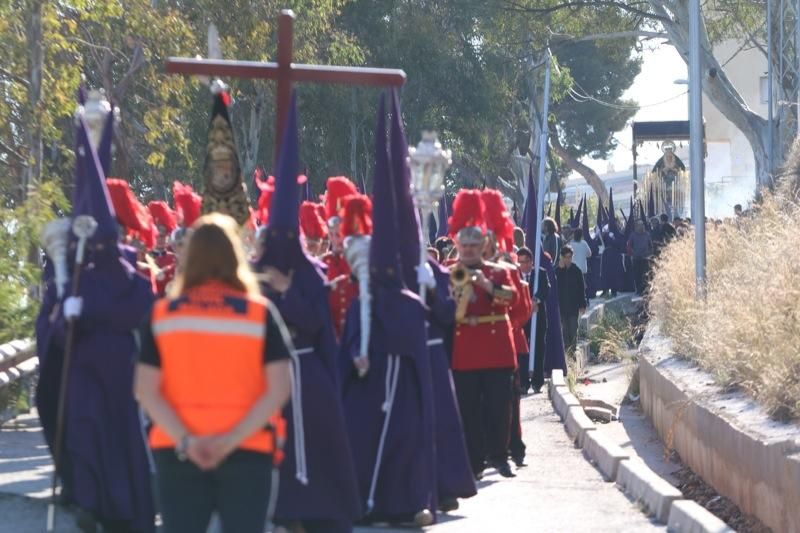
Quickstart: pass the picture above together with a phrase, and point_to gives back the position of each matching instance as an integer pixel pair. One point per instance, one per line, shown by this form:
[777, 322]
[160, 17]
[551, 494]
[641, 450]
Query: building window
[763, 90]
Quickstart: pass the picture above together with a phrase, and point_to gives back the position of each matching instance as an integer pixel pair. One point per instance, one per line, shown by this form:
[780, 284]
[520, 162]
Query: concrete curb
[687, 516]
[646, 487]
[578, 425]
[632, 476]
[604, 453]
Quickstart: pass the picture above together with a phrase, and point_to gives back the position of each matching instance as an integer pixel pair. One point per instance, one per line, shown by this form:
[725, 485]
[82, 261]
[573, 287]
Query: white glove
[72, 307]
[425, 276]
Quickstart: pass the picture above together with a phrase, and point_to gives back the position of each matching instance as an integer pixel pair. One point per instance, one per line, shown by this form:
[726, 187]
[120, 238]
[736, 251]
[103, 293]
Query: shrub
[611, 338]
[747, 332]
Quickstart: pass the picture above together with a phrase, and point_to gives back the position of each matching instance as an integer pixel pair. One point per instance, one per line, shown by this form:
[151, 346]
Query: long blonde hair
[214, 251]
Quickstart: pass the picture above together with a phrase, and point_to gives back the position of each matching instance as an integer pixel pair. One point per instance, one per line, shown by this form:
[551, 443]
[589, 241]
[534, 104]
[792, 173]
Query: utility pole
[696, 147]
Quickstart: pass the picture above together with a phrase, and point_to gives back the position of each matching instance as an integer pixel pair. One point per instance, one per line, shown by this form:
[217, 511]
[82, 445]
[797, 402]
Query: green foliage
[470, 77]
[611, 338]
[19, 264]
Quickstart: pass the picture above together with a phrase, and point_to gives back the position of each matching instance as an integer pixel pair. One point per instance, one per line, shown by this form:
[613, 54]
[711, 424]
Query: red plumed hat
[267, 188]
[338, 188]
[162, 215]
[357, 215]
[311, 224]
[187, 203]
[130, 212]
[468, 212]
[320, 211]
[498, 220]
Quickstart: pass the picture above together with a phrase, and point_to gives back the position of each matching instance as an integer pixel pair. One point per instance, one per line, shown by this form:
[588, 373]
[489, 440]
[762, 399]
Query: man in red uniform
[164, 259]
[343, 288]
[499, 245]
[484, 356]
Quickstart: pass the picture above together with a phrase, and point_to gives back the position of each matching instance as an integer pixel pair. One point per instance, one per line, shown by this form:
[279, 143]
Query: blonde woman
[213, 375]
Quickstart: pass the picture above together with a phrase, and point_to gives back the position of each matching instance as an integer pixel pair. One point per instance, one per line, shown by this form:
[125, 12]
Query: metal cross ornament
[286, 73]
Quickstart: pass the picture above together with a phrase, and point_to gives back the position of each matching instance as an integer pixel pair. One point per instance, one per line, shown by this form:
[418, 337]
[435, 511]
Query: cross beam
[286, 73]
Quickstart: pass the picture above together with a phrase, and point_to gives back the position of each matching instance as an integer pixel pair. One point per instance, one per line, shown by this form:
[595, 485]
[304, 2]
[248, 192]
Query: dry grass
[747, 333]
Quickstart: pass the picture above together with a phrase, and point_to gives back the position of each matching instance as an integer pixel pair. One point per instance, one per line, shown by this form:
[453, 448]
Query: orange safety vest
[211, 344]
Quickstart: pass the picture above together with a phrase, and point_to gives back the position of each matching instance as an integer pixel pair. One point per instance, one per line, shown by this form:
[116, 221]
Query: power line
[582, 98]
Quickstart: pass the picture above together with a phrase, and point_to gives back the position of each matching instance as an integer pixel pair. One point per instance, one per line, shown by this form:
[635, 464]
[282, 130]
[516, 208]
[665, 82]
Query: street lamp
[428, 163]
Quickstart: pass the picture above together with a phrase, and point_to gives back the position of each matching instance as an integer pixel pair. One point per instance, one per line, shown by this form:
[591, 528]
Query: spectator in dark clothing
[667, 230]
[571, 297]
[640, 244]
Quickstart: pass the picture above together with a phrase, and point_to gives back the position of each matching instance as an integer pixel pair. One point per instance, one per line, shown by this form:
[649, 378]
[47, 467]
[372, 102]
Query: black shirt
[274, 350]
[571, 290]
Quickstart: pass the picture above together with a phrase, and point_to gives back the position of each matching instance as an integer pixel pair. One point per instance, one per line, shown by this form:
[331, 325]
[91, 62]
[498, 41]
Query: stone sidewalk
[558, 491]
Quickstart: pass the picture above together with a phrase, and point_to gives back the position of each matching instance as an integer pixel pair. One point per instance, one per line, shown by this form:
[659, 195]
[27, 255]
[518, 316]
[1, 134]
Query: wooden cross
[285, 72]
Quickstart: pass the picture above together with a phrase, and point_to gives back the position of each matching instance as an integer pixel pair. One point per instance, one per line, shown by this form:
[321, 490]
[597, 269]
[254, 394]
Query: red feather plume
[312, 225]
[187, 203]
[130, 212]
[357, 215]
[497, 218]
[468, 211]
[162, 215]
[338, 188]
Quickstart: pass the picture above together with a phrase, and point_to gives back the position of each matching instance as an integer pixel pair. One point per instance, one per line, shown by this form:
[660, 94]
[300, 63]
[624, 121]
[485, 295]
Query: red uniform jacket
[343, 292]
[521, 311]
[485, 339]
[166, 270]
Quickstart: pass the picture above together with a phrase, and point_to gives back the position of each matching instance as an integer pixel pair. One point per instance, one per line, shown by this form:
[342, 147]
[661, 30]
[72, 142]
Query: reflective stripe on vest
[211, 346]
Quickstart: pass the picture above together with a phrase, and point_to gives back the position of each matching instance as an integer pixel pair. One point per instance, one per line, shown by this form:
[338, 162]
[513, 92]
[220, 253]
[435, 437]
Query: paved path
[558, 491]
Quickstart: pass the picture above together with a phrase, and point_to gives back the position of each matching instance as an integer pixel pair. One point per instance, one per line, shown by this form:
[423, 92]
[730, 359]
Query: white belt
[435, 342]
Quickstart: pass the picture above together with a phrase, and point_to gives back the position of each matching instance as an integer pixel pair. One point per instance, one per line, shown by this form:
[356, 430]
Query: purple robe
[406, 482]
[453, 471]
[613, 261]
[110, 473]
[554, 343]
[330, 498]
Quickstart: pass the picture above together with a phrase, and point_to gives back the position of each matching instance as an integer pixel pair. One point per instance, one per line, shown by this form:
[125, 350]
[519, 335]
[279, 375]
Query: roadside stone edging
[604, 453]
[726, 439]
[646, 487]
[687, 516]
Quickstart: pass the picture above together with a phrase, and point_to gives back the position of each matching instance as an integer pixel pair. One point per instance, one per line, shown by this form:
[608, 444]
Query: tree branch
[614, 35]
[10, 151]
[588, 174]
[625, 6]
[13, 77]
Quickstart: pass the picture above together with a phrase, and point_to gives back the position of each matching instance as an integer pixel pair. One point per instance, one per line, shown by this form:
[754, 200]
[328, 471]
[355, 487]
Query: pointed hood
[571, 221]
[282, 248]
[651, 203]
[408, 223]
[529, 214]
[558, 211]
[442, 229]
[630, 219]
[576, 222]
[644, 218]
[612, 215]
[90, 196]
[433, 229]
[106, 143]
[592, 242]
[384, 254]
[530, 221]
[600, 219]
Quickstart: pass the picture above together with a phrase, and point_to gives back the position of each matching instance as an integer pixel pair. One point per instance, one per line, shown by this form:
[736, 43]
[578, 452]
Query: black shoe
[519, 461]
[503, 469]
[448, 505]
[537, 390]
[478, 475]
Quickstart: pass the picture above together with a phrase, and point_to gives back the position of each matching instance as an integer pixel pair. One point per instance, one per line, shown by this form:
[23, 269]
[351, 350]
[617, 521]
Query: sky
[659, 98]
